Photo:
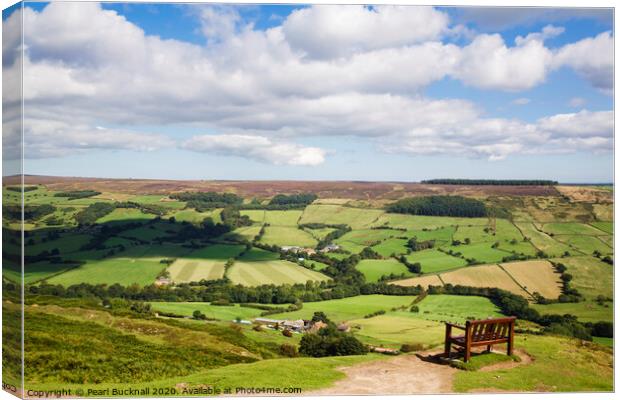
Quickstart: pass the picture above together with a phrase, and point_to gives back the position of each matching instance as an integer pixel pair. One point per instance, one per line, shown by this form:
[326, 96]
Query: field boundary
[515, 280]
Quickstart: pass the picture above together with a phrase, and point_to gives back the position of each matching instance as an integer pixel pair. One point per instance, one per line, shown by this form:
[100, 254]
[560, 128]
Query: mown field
[271, 272]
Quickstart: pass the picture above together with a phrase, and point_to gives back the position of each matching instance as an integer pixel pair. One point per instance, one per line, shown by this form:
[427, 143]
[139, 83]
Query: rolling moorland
[156, 283]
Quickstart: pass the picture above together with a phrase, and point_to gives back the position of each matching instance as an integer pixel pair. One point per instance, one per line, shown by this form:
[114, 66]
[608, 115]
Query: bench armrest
[456, 326]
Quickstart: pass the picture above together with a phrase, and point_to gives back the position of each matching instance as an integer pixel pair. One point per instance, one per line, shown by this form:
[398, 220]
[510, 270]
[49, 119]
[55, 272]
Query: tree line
[77, 194]
[451, 206]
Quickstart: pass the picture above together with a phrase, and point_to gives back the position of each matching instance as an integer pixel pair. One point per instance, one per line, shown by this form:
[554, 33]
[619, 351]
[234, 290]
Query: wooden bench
[485, 332]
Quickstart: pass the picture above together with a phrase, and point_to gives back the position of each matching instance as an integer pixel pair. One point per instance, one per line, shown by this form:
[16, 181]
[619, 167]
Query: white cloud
[219, 22]
[521, 101]
[583, 124]
[45, 138]
[592, 58]
[576, 102]
[88, 67]
[330, 31]
[489, 64]
[258, 148]
[547, 32]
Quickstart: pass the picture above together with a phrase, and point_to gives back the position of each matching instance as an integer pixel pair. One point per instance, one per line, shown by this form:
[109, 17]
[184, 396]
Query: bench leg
[467, 354]
[509, 348]
[448, 341]
[489, 347]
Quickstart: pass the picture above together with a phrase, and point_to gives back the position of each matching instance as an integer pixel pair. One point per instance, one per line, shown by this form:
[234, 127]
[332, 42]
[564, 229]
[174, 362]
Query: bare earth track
[407, 374]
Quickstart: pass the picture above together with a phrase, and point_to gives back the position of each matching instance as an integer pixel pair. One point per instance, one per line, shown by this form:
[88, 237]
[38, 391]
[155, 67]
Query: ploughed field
[147, 235]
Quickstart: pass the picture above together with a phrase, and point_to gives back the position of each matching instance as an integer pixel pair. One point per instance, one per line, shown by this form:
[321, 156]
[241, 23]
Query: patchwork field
[356, 218]
[481, 252]
[394, 330]
[349, 308]
[225, 313]
[422, 221]
[535, 276]
[607, 227]
[373, 270]
[389, 247]
[571, 228]
[256, 254]
[125, 271]
[271, 272]
[522, 278]
[194, 270]
[288, 236]
[542, 241]
[433, 260]
[483, 276]
[125, 214]
[456, 309]
[591, 276]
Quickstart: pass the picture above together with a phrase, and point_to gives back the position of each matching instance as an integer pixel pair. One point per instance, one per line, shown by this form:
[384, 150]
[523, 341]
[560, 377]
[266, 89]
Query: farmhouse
[163, 281]
[330, 247]
[292, 249]
[298, 325]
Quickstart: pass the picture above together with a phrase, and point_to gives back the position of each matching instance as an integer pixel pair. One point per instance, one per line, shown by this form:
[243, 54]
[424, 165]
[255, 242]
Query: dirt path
[406, 374]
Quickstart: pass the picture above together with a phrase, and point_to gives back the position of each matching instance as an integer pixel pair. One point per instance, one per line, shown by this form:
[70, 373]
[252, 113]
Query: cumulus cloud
[258, 148]
[489, 64]
[521, 101]
[45, 138]
[87, 67]
[576, 102]
[328, 31]
[592, 58]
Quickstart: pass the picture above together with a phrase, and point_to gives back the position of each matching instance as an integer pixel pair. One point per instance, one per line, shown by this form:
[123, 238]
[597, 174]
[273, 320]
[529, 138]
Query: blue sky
[177, 91]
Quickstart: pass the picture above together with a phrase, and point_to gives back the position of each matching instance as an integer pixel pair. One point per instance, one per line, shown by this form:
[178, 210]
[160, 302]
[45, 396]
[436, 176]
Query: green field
[474, 233]
[271, 272]
[218, 251]
[374, 269]
[319, 233]
[391, 246]
[412, 222]
[245, 232]
[195, 217]
[125, 271]
[288, 236]
[356, 218]
[591, 276]
[348, 308]
[120, 215]
[34, 272]
[456, 309]
[520, 247]
[282, 218]
[256, 254]
[393, 330]
[194, 270]
[433, 260]
[542, 241]
[605, 226]
[481, 252]
[67, 243]
[225, 313]
[561, 365]
[585, 244]
[571, 228]
[585, 311]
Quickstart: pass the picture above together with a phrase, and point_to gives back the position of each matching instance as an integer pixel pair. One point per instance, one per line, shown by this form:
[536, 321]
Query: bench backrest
[490, 329]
